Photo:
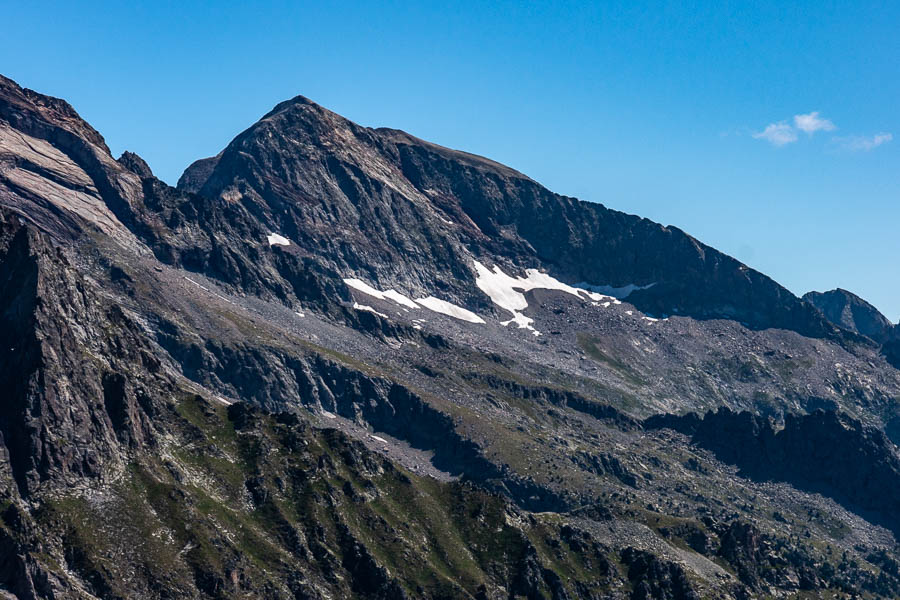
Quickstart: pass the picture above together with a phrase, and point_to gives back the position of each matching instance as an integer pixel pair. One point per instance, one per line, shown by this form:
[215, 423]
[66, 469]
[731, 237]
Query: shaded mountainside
[120, 482]
[69, 410]
[849, 311]
[823, 452]
[288, 378]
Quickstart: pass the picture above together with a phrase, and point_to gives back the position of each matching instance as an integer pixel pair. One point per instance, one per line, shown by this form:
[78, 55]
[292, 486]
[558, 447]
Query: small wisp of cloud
[811, 123]
[862, 143]
[782, 133]
[777, 134]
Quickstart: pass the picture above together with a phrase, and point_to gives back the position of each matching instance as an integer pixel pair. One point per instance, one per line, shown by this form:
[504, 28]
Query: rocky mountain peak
[399, 212]
[56, 170]
[29, 111]
[196, 174]
[135, 164]
[849, 311]
[302, 105]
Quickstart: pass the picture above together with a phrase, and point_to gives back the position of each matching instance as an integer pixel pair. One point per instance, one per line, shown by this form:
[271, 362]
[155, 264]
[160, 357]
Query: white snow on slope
[509, 292]
[521, 320]
[278, 240]
[449, 309]
[430, 302]
[400, 298]
[359, 306]
[367, 289]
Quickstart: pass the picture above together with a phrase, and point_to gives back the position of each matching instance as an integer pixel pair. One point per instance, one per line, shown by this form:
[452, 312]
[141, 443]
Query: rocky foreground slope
[343, 362]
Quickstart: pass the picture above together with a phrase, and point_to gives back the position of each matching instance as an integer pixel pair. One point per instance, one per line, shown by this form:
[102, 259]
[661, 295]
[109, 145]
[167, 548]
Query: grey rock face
[849, 311]
[196, 174]
[69, 412]
[56, 171]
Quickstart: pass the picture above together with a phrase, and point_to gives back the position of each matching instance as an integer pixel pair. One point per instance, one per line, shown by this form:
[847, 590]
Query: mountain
[401, 212]
[342, 362]
[849, 311]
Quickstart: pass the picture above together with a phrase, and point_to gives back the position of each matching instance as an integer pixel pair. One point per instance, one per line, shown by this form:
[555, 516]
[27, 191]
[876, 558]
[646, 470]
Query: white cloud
[777, 134]
[811, 123]
[782, 132]
[861, 143]
[786, 132]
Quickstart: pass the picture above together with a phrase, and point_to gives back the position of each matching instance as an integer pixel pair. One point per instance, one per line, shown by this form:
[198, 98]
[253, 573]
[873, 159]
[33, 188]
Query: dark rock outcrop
[196, 174]
[891, 347]
[67, 413]
[135, 164]
[652, 578]
[824, 452]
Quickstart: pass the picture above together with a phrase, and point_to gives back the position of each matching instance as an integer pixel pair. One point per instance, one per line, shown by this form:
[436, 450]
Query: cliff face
[822, 452]
[72, 367]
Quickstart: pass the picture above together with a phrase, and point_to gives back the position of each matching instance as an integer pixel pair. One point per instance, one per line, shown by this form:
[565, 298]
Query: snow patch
[329, 415]
[278, 240]
[509, 292]
[519, 319]
[449, 309]
[299, 314]
[378, 439]
[400, 299]
[359, 306]
[367, 289]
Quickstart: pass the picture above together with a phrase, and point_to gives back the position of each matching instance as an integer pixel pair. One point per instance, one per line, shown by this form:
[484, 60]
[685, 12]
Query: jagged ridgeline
[342, 362]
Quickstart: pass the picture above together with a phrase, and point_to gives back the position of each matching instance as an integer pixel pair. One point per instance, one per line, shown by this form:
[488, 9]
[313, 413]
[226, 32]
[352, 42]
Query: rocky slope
[344, 362]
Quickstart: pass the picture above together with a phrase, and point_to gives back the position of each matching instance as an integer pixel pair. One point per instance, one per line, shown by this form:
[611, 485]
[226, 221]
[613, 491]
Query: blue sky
[698, 115]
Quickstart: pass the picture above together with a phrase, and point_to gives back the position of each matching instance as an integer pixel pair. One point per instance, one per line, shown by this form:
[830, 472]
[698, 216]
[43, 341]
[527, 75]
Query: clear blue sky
[648, 108]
